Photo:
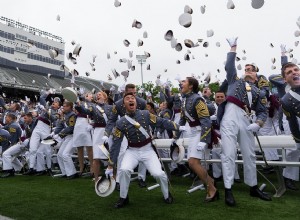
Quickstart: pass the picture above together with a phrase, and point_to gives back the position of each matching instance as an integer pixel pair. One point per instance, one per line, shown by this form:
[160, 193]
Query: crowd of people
[126, 124]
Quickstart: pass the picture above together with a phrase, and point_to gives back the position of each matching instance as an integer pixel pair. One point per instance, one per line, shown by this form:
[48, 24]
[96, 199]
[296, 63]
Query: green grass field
[44, 197]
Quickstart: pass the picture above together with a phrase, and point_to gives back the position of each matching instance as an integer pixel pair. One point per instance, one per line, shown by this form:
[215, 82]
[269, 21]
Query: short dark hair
[69, 104]
[285, 66]
[29, 114]
[18, 106]
[129, 86]
[127, 94]
[220, 91]
[12, 116]
[193, 82]
[151, 104]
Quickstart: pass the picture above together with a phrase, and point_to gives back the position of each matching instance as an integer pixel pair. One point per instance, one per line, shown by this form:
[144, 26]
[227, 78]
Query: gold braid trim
[206, 133]
[153, 118]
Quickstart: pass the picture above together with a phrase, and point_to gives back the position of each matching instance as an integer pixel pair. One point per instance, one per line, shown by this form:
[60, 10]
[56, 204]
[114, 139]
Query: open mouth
[296, 78]
[131, 104]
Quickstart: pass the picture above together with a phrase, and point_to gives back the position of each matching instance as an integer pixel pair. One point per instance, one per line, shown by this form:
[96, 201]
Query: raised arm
[230, 68]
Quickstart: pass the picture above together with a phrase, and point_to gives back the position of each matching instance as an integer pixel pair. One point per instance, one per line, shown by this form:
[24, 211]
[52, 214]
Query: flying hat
[273, 60]
[188, 43]
[87, 74]
[173, 42]
[210, 33]
[239, 67]
[49, 75]
[271, 45]
[230, 4]
[187, 57]
[69, 93]
[117, 3]
[136, 24]
[168, 35]
[73, 42]
[123, 60]
[148, 67]
[115, 52]
[205, 44]
[140, 43]
[185, 20]
[53, 53]
[77, 50]
[178, 47]
[218, 44]
[296, 43]
[109, 78]
[17, 68]
[145, 34]
[115, 73]
[48, 141]
[108, 56]
[74, 72]
[33, 81]
[130, 54]
[202, 9]
[129, 64]
[125, 73]
[244, 58]
[237, 59]
[105, 186]
[297, 33]
[176, 152]
[64, 68]
[147, 54]
[188, 9]
[94, 58]
[133, 68]
[126, 43]
[58, 17]
[257, 4]
[273, 67]
[178, 61]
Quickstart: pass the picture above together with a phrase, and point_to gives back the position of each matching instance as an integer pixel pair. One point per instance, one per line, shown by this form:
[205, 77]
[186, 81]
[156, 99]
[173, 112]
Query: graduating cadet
[135, 126]
[242, 97]
[195, 112]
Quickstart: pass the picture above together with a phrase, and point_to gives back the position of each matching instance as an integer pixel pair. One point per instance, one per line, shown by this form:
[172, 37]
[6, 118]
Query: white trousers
[234, 129]
[148, 157]
[40, 132]
[10, 160]
[64, 158]
[43, 152]
[141, 169]
[82, 137]
[217, 167]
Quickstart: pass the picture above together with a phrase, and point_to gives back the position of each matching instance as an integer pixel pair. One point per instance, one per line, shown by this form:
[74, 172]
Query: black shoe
[170, 199]
[229, 199]
[290, 184]
[213, 198]
[175, 172]
[268, 170]
[30, 172]
[8, 173]
[41, 173]
[118, 187]
[74, 176]
[182, 170]
[122, 202]
[237, 180]
[256, 192]
[142, 183]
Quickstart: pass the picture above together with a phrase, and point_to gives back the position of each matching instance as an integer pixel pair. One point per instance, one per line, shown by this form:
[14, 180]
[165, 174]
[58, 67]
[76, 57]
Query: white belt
[137, 125]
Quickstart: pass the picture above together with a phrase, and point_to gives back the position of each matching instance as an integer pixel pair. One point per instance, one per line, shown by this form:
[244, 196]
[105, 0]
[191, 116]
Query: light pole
[141, 60]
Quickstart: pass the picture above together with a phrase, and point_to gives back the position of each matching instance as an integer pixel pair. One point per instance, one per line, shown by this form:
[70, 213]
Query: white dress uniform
[136, 128]
[64, 156]
[234, 124]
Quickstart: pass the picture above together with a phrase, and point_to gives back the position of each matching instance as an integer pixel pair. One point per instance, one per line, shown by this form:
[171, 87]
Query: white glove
[283, 48]
[232, 41]
[253, 127]
[89, 128]
[158, 134]
[182, 128]
[104, 138]
[109, 172]
[52, 134]
[213, 117]
[201, 146]
[41, 107]
[298, 146]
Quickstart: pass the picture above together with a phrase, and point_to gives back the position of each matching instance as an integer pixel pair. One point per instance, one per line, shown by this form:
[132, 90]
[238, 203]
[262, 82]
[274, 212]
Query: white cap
[49, 75]
[129, 64]
[297, 33]
[244, 58]
[230, 4]
[133, 68]
[123, 60]
[140, 43]
[147, 54]
[273, 67]
[77, 50]
[202, 9]
[173, 42]
[125, 73]
[205, 44]
[178, 61]
[210, 33]
[58, 17]
[136, 24]
[296, 43]
[108, 55]
[188, 9]
[187, 57]
[218, 44]
[115, 73]
[188, 43]
[87, 74]
[257, 4]
[109, 78]
[178, 47]
[185, 20]
[271, 45]
[239, 67]
[130, 54]
[117, 3]
[73, 42]
[273, 60]
[148, 67]
[169, 35]
[145, 34]
[33, 81]
[126, 43]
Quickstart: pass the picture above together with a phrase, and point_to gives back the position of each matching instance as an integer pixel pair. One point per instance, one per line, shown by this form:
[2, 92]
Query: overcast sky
[100, 27]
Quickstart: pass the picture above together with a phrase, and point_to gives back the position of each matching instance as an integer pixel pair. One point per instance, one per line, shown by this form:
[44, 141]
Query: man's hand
[201, 146]
[104, 138]
[232, 41]
[253, 127]
[109, 171]
[283, 49]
